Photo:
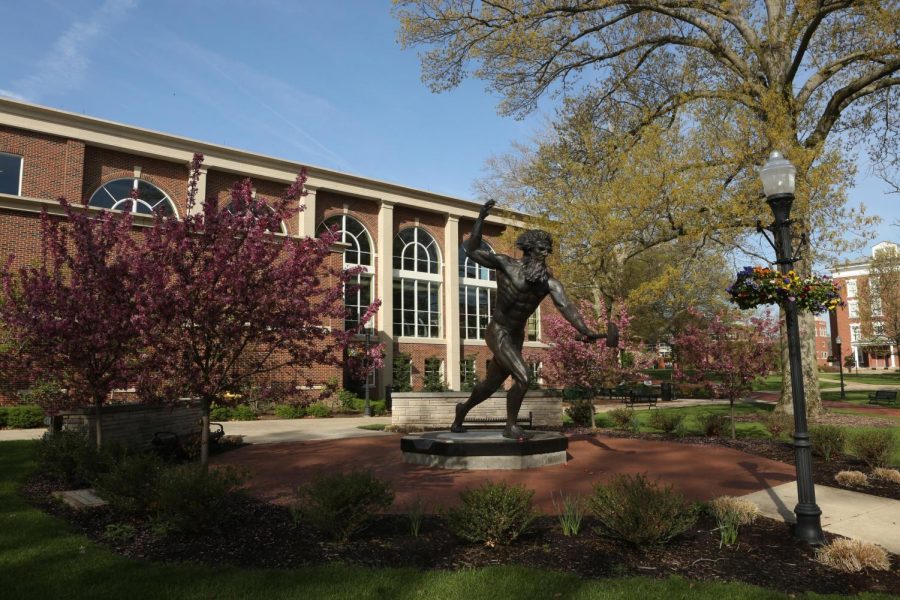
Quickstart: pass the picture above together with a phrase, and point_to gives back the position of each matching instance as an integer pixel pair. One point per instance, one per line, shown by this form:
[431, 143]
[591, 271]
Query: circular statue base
[484, 449]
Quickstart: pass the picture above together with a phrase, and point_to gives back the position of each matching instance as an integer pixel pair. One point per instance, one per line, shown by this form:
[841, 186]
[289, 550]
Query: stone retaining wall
[134, 425]
[437, 410]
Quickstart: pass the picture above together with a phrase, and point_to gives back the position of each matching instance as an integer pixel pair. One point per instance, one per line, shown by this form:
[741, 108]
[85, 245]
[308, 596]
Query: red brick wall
[219, 185]
[52, 166]
[102, 165]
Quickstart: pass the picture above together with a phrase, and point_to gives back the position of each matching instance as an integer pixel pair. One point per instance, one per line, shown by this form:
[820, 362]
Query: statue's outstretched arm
[570, 312]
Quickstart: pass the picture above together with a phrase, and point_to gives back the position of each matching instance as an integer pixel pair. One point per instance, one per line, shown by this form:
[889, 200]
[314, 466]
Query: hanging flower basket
[756, 286]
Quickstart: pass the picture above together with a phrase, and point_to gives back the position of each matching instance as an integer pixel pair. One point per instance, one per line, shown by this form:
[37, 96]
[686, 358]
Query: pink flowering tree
[231, 300]
[68, 319]
[733, 353]
[571, 363]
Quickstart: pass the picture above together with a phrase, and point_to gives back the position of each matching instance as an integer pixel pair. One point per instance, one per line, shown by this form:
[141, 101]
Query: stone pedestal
[484, 449]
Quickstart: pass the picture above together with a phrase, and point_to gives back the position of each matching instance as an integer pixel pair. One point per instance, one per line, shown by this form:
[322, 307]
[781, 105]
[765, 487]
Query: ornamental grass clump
[570, 512]
[639, 511]
[341, 504]
[853, 556]
[712, 424]
[667, 422]
[891, 475]
[778, 423]
[493, 514]
[622, 418]
[732, 513]
[874, 446]
[827, 441]
[852, 478]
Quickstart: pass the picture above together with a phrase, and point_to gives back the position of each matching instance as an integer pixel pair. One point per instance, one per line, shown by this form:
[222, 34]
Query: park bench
[642, 395]
[168, 445]
[477, 422]
[886, 397]
[618, 393]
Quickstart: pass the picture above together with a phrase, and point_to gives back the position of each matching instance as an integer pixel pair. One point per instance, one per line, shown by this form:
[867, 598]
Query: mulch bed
[263, 535]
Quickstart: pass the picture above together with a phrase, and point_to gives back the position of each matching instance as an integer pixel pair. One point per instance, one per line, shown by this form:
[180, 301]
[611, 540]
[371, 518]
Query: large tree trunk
[807, 322]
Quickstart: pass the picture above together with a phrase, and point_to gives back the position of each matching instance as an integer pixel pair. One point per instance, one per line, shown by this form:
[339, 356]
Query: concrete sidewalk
[851, 514]
[273, 431]
[11, 435]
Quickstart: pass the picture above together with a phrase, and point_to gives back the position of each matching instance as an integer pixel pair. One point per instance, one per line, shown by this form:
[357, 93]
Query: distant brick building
[435, 303]
[872, 351]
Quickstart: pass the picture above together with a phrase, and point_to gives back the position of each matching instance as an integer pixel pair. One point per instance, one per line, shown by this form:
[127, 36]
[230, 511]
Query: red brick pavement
[700, 472]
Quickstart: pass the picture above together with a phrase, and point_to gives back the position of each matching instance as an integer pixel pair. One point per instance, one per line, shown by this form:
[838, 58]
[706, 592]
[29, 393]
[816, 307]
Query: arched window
[257, 210]
[116, 195]
[358, 254]
[477, 295]
[417, 285]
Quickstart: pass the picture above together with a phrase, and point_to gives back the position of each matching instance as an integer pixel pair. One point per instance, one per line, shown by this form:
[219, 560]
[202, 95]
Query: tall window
[477, 295]
[117, 195]
[533, 326]
[853, 309]
[851, 288]
[358, 296]
[417, 285]
[855, 332]
[10, 174]
[468, 376]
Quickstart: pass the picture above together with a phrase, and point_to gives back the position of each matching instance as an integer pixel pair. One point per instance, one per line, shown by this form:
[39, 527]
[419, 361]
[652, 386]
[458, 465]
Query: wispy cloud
[11, 94]
[65, 66]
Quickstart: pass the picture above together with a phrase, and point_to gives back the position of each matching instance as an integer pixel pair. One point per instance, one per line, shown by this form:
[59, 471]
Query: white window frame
[119, 202]
[21, 170]
[851, 288]
[853, 309]
[855, 332]
[433, 283]
[485, 279]
[365, 279]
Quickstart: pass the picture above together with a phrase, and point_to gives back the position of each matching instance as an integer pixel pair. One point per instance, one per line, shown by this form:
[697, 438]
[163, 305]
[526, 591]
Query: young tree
[879, 303]
[815, 79]
[231, 300]
[69, 319]
[736, 353]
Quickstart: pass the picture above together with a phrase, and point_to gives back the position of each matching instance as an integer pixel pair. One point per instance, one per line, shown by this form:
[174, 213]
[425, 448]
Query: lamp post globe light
[778, 179]
[840, 361]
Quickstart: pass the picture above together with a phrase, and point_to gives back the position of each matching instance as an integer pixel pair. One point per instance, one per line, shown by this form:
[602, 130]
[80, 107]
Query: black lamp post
[837, 342]
[778, 183]
[367, 410]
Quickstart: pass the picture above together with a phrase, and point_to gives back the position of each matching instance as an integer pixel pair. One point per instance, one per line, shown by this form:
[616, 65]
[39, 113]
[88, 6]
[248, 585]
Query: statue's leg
[481, 392]
[514, 398]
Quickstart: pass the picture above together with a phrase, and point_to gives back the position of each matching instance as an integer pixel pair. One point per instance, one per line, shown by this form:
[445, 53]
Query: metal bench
[641, 396]
[484, 422]
[886, 397]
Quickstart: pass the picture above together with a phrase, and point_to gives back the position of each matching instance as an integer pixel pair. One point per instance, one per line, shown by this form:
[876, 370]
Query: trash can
[666, 391]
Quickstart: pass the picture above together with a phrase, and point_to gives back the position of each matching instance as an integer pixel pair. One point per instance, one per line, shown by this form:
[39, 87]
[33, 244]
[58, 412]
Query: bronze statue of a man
[521, 285]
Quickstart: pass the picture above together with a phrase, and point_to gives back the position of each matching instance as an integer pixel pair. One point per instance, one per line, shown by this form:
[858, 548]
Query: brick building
[870, 351]
[435, 303]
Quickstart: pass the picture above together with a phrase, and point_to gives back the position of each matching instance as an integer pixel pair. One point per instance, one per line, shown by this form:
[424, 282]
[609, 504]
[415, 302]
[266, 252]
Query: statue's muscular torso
[517, 298]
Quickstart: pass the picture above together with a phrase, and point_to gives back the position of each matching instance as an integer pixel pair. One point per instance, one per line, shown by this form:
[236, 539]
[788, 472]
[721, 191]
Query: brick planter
[424, 410]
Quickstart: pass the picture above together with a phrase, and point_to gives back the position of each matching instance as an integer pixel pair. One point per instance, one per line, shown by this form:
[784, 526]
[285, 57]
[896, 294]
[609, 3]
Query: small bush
[2, 417]
[852, 478]
[242, 412]
[853, 556]
[892, 475]
[495, 513]
[712, 424]
[220, 413]
[191, 499]
[341, 504]
[621, 417]
[290, 411]
[681, 429]
[416, 514]
[27, 416]
[119, 532]
[827, 440]
[346, 399]
[318, 410]
[376, 406]
[665, 421]
[778, 423]
[581, 410]
[74, 457]
[732, 513]
[640, 512]
[570, 512]
[874, 446]
[130, 485]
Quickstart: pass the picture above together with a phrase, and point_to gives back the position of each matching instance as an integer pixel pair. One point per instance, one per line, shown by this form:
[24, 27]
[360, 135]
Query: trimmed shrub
[29, 416]
[74, 457]
[318, 410]
[640, 512]
[778, 423]
[712, 424]
[853, 556]
[874, 446]
[581, 411]
[341, 504]
[191, 499]
[665, 421]
[347, 400]
[377, 406]
[130, 485]
[290, 411]
[495, 513]
[220, 413]
[827, 441]
[852, 478]
[621, 417]
[242, 412]
[892, 475]
[732, 513]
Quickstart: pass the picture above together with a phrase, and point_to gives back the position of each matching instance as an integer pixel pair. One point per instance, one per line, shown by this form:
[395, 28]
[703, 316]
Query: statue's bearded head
[536, 246]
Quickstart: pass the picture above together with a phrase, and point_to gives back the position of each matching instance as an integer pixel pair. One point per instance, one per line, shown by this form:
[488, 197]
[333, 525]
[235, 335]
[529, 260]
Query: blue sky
[323, 83]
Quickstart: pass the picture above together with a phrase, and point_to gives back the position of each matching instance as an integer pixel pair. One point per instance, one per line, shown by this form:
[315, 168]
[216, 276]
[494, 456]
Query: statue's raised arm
[472, 245]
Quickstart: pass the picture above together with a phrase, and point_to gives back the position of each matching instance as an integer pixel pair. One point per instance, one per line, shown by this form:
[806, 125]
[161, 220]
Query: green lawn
[691, 414]
[42, 557]
[874, 378]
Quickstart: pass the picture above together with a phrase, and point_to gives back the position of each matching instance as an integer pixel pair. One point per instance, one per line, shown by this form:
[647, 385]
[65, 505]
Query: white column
[856, 357]
[385, 276]
[451, 300]
[307, 224]
[201, 191]
[893, 358]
